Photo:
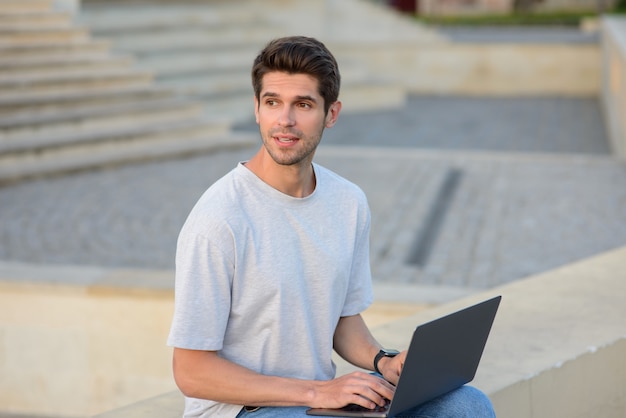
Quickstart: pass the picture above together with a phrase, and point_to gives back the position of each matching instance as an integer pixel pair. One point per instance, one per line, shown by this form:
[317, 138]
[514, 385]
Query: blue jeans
[466, 401]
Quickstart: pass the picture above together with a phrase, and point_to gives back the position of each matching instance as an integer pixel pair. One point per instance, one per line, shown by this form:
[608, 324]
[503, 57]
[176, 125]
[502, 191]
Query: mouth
[286, 139]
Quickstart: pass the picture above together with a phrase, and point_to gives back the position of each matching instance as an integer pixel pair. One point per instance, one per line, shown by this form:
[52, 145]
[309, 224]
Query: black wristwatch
[383, 353]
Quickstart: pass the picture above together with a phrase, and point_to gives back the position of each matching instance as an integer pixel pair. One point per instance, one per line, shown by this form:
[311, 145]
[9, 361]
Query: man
[272, 266]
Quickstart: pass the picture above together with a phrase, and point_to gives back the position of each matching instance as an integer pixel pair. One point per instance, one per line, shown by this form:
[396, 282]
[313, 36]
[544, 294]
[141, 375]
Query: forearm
[205, 375]
[354, 342]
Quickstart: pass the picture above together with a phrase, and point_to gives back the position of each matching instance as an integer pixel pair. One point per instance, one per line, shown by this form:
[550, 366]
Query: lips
[285, 139]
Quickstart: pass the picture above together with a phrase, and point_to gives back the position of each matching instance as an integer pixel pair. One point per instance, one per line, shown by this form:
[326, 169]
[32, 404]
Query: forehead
[285, 84]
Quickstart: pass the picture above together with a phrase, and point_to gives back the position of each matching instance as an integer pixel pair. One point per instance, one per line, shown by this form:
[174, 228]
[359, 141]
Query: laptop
[443, 356]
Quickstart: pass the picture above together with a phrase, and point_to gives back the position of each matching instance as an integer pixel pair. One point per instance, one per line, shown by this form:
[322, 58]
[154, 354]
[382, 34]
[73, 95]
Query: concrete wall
[78, 341]
[614, 82]
[484, 69]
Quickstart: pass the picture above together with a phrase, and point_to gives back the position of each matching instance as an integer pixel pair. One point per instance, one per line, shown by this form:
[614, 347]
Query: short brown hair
[299, 55]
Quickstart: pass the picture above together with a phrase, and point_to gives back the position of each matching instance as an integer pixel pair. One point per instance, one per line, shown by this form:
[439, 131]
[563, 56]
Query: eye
[304, 105]
[271, 102]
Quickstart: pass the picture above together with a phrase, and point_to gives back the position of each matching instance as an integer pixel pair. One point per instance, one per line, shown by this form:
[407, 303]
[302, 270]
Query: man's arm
[205, 375]
[354, 342]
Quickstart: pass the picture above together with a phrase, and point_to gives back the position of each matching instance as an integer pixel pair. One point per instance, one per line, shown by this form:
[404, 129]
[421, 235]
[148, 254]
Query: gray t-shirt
[263, 277]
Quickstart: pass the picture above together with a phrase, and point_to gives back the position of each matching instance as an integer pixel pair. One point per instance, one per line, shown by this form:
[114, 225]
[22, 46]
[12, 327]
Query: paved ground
[465, 194]
[514, 124]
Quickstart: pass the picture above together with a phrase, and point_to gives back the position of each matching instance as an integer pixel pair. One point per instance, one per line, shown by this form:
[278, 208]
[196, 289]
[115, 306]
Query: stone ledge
[613, 92]
[550, 326]
[87, 277]
[557, 348]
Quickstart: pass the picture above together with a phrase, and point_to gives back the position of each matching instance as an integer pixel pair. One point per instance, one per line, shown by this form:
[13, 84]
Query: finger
[370, 399]
[379, 390]
[373, 389]
[386, 390]
[363, 401]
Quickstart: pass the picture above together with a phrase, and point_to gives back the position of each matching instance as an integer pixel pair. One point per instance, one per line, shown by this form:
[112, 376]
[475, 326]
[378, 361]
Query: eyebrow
[298, 98]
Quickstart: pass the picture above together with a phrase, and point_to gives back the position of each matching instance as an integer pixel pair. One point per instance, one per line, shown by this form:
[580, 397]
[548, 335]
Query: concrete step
[356, 21]
[338, 21]
[49, 88]
[106, 17]
[360, 93]
[67, 104]
[86, 48]
[66, 61]
[48, 98]
[202, 56]
[219, 64]
[118, 151]
[205, 51]
[203, 84]
[185, 37]
[14, 131]
[24, 20]
[192, 59]
[47, 105]
[82, 110]
[37, 36]
[372, 94]
[235, 105]
[19, 71]
[25, 6]
[112, 133]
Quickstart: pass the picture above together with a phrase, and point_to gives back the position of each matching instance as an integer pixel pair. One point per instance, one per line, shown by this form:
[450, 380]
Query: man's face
[290, 114]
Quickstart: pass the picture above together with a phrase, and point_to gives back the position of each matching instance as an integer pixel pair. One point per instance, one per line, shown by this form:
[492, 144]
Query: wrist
[382, 365]
[383, 355]
[311, 394]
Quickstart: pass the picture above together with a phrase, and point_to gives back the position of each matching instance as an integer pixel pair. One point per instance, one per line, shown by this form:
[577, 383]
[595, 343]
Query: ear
[256, 109]
[333, 114]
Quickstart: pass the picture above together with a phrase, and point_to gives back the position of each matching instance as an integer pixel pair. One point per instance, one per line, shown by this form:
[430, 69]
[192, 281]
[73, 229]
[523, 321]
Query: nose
[286, 117]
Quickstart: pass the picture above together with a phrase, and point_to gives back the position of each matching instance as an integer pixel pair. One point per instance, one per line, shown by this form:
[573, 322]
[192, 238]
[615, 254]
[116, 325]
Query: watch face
[390, 353]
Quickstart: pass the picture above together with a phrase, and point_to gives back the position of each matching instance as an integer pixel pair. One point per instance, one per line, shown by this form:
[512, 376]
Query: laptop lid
[443, 355]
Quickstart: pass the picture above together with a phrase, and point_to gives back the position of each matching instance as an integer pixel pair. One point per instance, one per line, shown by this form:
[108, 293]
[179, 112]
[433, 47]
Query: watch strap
[383, 353]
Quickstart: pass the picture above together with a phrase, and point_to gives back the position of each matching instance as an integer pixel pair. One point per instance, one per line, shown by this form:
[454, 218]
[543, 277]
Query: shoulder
[219, 195]
[217, 206]
[332, 182]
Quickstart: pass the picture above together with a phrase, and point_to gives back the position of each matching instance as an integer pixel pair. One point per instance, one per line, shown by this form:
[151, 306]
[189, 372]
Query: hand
[391, 367]
[355, 388]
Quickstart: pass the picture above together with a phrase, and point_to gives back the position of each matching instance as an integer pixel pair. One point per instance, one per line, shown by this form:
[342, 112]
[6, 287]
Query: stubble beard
[302, 153]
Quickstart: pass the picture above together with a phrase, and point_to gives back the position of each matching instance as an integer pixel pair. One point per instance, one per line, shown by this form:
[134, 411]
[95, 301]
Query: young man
[272, 266]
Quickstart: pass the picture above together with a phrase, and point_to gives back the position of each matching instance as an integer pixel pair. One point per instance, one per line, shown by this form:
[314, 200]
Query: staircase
[161, 78]
[67, 103]
[204, 48]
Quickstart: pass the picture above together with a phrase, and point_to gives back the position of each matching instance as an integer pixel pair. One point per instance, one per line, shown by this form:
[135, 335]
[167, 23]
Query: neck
[297, 180]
